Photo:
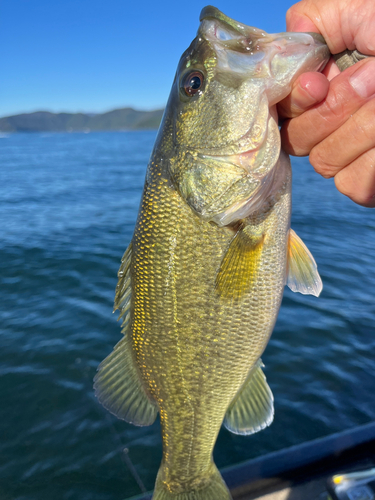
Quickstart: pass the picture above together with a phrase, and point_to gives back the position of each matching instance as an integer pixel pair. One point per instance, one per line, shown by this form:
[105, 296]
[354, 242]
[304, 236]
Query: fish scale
[202, 281]
[190, 317]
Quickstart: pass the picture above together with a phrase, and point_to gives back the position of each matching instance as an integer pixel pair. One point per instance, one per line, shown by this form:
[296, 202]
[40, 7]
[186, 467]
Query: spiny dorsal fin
[240, 264]
[123, 289]
[302, 271]
[252, 409]
[120, 389]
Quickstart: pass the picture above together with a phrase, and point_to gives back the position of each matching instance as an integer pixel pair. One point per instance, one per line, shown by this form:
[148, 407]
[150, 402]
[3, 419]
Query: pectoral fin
[240, 264]
[302, 271]
[252, 409]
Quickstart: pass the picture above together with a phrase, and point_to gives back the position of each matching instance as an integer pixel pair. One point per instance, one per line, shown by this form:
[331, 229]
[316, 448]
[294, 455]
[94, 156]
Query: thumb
[308, 90]
[295, 21]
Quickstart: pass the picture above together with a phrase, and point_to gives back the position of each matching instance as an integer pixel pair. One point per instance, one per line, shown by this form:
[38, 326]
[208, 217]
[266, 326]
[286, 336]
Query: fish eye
[192, 82]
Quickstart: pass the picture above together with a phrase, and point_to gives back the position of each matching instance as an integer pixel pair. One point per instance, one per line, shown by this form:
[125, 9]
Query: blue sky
[97, 55]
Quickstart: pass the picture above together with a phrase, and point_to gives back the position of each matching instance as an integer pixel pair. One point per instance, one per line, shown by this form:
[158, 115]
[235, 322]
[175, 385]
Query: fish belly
[194, 349]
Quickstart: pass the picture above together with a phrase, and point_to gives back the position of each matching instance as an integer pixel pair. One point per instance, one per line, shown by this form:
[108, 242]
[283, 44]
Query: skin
[327, 116]
[201, 299]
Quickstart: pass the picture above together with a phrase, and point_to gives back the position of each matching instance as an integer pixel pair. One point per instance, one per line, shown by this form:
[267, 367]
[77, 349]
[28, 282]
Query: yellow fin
[302, 271]
[240, 264]
[252, 408]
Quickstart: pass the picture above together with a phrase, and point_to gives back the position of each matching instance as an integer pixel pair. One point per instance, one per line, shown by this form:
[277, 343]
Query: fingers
[343, 24]
[346, 144]
[339, 131]
[309, 89]
[347, 93]
[297, 20]
[331, 70]
[319, 16]
[349, 155]
[357, 181]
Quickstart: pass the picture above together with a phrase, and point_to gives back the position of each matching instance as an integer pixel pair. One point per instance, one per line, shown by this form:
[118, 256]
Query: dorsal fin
[123, 289]
[118, 384]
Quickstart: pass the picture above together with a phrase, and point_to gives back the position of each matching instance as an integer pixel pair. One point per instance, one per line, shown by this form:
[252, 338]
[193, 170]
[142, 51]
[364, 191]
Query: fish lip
[286, 43]
[248, 34]
[230, 158]
[227, 157]
[223, 33]
[317, 37]
[210, 12]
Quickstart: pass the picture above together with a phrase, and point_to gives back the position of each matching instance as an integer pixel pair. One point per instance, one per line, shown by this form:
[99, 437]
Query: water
[68, 204]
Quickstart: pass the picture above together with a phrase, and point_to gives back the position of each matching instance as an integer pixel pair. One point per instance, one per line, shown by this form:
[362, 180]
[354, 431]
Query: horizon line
[81, 112]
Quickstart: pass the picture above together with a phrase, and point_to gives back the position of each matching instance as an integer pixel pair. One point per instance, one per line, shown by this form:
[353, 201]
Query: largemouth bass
[201, 283]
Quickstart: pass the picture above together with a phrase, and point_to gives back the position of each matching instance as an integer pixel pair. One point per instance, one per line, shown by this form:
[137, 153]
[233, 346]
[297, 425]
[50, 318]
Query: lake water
[68, 204]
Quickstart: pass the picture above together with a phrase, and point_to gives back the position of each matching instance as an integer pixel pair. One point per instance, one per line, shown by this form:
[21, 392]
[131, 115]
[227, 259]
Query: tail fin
[216, 489]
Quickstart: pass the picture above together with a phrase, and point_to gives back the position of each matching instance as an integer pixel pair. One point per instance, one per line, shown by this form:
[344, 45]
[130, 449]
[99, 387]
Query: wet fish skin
[201, 283]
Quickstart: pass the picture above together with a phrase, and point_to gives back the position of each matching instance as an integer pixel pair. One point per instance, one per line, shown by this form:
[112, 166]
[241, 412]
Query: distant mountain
[118, 119]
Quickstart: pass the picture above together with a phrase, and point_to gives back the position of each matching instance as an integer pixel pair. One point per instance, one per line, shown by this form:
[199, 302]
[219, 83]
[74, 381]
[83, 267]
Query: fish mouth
[317, 37]
[234, 32]
[248, 51]
[240, 37]
[272, 62]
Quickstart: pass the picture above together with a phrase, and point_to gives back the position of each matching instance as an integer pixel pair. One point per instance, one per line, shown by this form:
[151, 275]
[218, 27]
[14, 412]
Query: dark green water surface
[68, 204]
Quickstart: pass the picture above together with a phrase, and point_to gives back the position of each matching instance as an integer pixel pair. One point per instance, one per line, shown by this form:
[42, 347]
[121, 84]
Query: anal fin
[302, 271]
[252, 409]
[119, 388]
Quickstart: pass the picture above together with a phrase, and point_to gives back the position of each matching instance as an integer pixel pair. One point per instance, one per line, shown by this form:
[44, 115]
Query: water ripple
[67, 216]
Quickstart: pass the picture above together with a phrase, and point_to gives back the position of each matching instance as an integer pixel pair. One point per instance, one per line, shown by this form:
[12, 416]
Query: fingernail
[315, 85]
[363, 80]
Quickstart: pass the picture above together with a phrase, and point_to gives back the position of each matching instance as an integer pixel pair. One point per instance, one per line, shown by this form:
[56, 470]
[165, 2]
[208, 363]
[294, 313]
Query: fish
[200, 285]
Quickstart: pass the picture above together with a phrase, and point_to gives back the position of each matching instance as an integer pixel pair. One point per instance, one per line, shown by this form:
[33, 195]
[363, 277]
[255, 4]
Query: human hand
[331, 116]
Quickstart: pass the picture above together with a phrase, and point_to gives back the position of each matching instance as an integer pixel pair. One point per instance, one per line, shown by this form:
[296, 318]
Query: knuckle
[292, 139]
[358, 180]
[290, 12]
[364, 196]
[295, 11]
[333, 109]
[320, 164]
[365, 123]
